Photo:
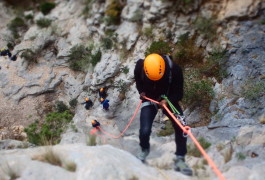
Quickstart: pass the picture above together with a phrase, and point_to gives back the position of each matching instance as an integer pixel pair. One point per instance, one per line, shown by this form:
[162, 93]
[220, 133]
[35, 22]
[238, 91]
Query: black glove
[142, 95]
[13, 58]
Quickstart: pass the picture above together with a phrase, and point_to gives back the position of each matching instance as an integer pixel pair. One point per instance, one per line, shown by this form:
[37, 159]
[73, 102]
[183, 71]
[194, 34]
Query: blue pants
[147, 117]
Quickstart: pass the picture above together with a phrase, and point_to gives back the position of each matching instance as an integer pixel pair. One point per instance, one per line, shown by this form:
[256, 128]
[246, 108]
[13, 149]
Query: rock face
[104, 162]
[245, 71]
[28, 91]
[241, 9]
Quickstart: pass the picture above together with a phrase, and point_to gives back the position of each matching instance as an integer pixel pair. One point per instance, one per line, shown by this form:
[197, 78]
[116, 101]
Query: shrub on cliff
[50, 130]
[46, 7]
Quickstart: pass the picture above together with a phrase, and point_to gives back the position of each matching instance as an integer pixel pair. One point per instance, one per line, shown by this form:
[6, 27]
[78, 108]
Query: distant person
[158, 75]
[5, 52]
[87, 104]
[105, 103]
[102, 93]
[95, 123]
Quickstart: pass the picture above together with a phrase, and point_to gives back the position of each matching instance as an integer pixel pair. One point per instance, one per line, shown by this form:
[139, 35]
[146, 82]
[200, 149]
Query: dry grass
[49, 156]
[70, 166]
[262, 119]
[9, 171]
[227, 153]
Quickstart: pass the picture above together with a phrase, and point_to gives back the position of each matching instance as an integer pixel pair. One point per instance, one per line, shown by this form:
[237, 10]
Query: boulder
[90, 162]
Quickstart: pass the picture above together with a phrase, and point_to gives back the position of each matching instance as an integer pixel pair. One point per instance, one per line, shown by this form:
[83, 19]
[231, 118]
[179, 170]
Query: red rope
[128, 125]
[186, 130]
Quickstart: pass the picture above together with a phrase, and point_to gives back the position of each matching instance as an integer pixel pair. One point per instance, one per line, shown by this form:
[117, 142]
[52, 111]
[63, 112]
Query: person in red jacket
[157, 75]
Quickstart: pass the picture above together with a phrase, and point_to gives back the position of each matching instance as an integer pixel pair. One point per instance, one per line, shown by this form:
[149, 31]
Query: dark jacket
[5, 52]
[88, 104]
[105, 104]
[102, 94]
[154, 89]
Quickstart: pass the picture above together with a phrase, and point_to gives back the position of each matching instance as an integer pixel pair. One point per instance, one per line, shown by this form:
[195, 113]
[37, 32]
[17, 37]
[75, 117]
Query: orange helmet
[101, 99]
[101, 89]
[86, 99]
[154, 67]
[93, 121]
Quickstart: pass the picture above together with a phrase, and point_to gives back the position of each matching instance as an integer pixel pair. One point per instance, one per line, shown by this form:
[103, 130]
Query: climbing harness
[148, 103]
[175, 111]
[186, 130]
[176, 114]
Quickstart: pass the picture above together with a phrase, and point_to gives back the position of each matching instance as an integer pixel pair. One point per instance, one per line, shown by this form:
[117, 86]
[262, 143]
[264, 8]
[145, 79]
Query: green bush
[10, 45]
[24, 5]
[186, 52]
[138, 16]
[198, 92]
[50, 130]
[79, 58]
[188, 1]
[46, 7]
[125, 69]
[113, 12]
[29, 17]
[262, 21]
[107, 43]
[214, 66]
[16, 25]
[168, 129]
[44, 22]
[95, 58]
[206, 27]
[87, 6]
[30, 56]
[73, 103]
[122, 86]
[159, 47]
[60, 107]
[240, 156]
[193, 150]
[148, 32]
[253, 90]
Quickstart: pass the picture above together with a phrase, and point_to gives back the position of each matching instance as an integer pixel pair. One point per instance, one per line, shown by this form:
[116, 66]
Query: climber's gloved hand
[163, 103]
[13, 58]
[142, 95]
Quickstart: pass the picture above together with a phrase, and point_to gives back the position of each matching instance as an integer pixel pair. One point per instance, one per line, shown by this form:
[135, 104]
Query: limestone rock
[109, 64]
[240, 9]
[13, 144]
[99, 162]
[133, 11]
[128, 33]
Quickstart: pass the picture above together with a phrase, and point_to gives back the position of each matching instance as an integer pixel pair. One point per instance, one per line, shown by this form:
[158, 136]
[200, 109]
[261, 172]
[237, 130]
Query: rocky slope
[27, 91]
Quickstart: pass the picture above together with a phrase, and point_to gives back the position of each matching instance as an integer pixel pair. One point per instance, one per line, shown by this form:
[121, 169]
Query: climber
[88, 103]
[102, 93]
[157, 75]
[95, 123]
[105, 103]
[5, 52]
